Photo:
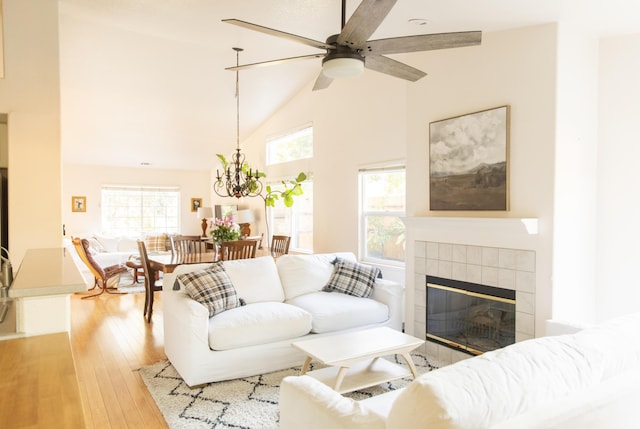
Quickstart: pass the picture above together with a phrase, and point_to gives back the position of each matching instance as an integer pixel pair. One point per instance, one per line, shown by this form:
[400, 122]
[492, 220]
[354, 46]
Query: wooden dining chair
[280, 245]
[238, 249]
[106, 279]
[183, 244]
[151, 285]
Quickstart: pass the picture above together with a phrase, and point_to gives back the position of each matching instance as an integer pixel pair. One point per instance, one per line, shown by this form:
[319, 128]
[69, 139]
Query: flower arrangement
[224, 229]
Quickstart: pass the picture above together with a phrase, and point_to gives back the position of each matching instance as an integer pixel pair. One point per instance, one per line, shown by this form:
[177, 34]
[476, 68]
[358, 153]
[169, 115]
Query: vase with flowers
[224, 229]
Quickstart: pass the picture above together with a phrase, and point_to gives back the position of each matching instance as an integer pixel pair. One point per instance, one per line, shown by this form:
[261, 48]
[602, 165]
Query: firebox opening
[470, 317]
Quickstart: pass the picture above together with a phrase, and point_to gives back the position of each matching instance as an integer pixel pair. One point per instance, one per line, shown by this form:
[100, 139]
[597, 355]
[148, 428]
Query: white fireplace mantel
[499, 232]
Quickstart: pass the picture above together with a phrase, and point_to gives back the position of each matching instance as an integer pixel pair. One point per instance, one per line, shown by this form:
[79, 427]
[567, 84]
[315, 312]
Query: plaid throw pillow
[352, 278]
[156, 243]
[212, 288]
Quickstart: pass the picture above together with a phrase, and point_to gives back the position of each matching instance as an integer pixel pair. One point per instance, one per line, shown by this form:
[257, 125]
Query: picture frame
[78, 204]
[196, 203]
[469, 161]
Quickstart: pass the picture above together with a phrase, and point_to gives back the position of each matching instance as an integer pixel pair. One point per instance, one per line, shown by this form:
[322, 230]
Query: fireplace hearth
[470, 317]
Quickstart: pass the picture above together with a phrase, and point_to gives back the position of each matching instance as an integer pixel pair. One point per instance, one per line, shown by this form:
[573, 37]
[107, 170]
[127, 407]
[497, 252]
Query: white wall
[575, 168]
[29, 94]
[84, 180]
[618, 154]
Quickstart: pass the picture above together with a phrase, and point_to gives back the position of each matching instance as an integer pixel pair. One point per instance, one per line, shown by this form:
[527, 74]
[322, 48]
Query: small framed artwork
[196, 203]
[469, 161]
[78, 204]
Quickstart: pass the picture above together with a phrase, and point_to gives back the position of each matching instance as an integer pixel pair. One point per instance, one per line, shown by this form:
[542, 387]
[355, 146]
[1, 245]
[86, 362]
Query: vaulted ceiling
[143, 81]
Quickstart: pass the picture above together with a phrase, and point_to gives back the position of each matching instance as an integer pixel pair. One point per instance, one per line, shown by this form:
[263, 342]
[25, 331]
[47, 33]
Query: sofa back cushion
[302, 274]
[485, 390]
[255, 279]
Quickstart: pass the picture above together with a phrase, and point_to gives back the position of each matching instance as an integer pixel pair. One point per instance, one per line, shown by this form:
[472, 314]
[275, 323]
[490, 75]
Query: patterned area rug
[249, 403]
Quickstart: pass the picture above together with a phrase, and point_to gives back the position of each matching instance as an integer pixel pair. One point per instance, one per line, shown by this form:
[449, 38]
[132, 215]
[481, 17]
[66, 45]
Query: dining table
[167, 262]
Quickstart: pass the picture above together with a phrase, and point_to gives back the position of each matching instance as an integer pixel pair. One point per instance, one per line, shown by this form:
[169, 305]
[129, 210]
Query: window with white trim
[134, 211]
[291, 146]
[382, 205]
[295, 221]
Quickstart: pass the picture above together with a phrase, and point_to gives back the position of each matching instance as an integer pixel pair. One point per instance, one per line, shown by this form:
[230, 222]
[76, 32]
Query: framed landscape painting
[469, 161]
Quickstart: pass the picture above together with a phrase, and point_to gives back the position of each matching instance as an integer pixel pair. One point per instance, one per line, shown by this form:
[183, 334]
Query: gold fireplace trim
[474, 294]
[454, 344]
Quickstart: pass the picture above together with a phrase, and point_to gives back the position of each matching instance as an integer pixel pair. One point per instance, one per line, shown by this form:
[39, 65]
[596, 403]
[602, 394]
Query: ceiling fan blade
[322, 82]
[392, 67]
[278, 33]
[274, 62]
[365, 21]
[424, 42]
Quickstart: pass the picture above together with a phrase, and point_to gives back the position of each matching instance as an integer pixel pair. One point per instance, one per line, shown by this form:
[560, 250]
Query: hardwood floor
[110, 341]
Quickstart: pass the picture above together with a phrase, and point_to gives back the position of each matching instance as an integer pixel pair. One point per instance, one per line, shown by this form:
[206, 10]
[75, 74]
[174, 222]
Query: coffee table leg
[341, 373]
[305, 365]
[409, 361]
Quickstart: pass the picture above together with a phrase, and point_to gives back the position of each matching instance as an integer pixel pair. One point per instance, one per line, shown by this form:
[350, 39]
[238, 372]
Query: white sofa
[586, 380]
[284, 303]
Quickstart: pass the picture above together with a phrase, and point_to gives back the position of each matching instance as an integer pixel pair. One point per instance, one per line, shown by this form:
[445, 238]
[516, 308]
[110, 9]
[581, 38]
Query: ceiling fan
[348, 53]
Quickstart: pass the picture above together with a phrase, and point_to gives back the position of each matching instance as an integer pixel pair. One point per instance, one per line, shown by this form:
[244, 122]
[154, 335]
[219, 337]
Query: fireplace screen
[468, 316]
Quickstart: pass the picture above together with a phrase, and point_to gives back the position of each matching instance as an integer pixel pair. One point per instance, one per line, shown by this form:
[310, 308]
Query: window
[290, 147]
[295, 221]
[133, 211]
[382, 204]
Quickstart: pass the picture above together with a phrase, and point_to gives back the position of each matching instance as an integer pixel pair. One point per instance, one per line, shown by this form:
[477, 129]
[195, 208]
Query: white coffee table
[353, 358]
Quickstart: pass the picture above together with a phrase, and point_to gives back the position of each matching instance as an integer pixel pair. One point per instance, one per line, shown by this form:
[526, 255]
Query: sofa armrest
[307, 403]
[186, 331]
[392, 294]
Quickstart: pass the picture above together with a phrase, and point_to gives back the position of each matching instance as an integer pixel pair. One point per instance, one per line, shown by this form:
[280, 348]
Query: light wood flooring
[110, 341]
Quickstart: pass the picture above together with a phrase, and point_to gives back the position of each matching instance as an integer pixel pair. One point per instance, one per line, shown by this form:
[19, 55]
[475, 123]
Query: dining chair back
[106, 279]
[151, 285]
[280, 245]
[183, 244]
[238, 249]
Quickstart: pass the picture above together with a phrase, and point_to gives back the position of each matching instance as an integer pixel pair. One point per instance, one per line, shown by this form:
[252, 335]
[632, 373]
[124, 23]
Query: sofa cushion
[352, 278]
[259, 323]
[302, 274]
[255, 279]
[108, 244]
[126, 244]
[496, 386]
[212, 288]
[336, 311]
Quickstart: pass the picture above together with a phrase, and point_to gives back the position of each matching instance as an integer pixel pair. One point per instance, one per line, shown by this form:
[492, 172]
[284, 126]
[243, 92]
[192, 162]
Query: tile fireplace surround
[492, 252]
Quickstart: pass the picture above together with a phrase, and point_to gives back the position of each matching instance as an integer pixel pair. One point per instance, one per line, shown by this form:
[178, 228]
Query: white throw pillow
[255, 279]
[109, 244]
[260, 323]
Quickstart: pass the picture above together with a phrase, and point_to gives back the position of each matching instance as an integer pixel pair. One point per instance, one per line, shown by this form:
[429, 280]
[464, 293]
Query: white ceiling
[144, 80]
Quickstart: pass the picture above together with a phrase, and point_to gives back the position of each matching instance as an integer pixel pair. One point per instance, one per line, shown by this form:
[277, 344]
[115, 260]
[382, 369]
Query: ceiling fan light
[337, 68]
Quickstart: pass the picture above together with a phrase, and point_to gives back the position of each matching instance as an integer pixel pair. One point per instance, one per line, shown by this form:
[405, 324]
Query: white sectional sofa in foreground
[587, 380]
[284, 303]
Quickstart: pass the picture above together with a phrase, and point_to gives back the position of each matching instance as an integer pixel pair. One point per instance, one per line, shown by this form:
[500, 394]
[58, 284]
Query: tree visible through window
[134, 211]
[382, 205]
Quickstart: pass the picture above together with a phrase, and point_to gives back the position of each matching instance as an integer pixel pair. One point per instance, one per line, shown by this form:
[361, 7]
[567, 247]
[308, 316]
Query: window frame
[294, 245]
[273, 140]
[363, 214]
[140, 230]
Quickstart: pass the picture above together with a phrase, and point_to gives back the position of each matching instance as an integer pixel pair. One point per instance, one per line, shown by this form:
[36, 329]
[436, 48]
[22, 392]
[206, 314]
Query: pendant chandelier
[238, 179]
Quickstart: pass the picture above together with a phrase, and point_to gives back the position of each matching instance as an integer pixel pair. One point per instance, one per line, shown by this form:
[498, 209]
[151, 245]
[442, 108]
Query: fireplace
[470, 317]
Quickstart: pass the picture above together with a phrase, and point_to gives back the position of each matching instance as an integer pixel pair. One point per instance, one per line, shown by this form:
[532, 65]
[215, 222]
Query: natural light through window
[135, 211]
[296, 221]
[290, 147]
[382, 205]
